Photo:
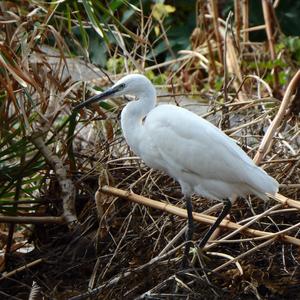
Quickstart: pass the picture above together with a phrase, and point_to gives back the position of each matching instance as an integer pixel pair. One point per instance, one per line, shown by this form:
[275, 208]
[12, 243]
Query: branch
[267, 140]
[201, 218]
[20, 269]
[268, 16]
[30, 220]
[68, 191]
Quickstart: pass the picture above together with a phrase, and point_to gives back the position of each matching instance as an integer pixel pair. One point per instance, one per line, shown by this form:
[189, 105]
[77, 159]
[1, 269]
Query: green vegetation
[54, 54]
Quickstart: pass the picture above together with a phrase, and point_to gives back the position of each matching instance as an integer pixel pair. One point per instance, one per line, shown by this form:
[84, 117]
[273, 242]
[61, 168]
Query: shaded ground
[114, 252]
[129, 235]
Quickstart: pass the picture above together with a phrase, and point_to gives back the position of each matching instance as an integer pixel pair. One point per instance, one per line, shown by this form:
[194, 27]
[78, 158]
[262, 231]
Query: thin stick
[267, 139]
[264, 244]
[285, 201]
[267, 7]
[245, 15]
[231, 259]
[237, 18]
[68, 191]
[254, 28]
[117, 278]
[225, 87]
[31, 220]
[215, 15]
[202, 218]
[212, 62]
[20, 269]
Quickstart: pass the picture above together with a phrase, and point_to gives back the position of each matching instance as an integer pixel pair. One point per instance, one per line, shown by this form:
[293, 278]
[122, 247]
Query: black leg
[190, 229]
[223, 214]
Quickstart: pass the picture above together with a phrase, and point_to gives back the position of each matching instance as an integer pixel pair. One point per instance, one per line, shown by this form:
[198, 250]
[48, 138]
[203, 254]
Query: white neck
[133, 116]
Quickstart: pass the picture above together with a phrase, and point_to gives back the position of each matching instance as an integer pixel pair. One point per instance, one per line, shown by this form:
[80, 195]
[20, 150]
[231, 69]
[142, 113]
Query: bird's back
[200, 156]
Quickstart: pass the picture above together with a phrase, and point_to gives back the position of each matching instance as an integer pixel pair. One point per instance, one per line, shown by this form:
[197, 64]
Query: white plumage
[190, 149]
[194, 152]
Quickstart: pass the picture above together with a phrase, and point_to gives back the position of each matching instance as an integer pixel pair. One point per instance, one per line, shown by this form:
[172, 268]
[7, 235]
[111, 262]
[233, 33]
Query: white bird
[193, 151]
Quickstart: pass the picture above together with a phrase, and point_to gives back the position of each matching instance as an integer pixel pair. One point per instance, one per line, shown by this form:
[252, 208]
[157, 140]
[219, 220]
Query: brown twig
[212, 63]
[30, 220]
[124, 275]
[20, 269]
[237, 18]
[267, 139]
[66, 184]
[286, 201]
[202, 218]
[266, 243]
[215, 16]
[267, 11]
[245, 18]
[225, 87]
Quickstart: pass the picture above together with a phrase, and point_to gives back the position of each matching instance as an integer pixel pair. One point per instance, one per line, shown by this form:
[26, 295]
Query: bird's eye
[121, 86]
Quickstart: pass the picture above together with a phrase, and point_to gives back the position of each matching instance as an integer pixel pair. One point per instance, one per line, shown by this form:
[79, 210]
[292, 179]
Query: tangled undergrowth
[119, 245]
[136, 235]
[103, 241]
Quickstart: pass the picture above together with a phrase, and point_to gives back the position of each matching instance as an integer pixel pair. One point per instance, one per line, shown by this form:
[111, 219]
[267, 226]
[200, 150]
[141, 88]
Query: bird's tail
[262, 183]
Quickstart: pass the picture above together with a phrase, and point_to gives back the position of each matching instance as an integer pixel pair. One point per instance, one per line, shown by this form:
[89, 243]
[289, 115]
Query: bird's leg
[190, 228]
[226, 208]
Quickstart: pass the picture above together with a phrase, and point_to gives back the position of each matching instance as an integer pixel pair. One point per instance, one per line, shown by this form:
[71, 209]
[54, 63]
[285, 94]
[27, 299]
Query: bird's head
[133, 84]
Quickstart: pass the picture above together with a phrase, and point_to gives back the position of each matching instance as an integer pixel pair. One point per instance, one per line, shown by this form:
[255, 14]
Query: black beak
[102, 96]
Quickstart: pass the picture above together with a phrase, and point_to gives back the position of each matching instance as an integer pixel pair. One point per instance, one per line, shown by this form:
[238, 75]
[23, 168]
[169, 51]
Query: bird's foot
[201, 254]
[189, 248]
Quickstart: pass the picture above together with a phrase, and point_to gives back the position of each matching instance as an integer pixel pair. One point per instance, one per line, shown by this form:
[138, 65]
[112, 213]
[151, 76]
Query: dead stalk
[237, 18]
[266, 143]
[124, 275]
[30, 220]
[245, 18]
[67, 187]
[215, 16]
[267, 11]
[202, 218]
[264, 244]
[20, 269]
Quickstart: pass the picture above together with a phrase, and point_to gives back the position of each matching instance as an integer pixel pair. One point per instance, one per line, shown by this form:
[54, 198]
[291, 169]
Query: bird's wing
[189, 143]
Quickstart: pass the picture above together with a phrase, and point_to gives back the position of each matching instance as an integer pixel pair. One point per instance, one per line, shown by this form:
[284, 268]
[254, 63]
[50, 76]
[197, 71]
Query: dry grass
[123, 249]
[146, 237]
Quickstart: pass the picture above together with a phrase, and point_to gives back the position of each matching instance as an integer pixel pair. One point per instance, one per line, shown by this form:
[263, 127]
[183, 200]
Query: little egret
[194, 152]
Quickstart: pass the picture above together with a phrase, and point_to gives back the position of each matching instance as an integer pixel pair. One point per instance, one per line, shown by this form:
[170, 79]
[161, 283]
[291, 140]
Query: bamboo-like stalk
[225, 58]
[267, 11]
[20, 269]
[215, 15]
[252, 250]
[254, 28]
[286, 201]
[212, 63]
[237, 19]
[267, 139]
[202, 218]
[66, 184]
[31, 220]
[234, 66]
[91, 294]
[245, 18]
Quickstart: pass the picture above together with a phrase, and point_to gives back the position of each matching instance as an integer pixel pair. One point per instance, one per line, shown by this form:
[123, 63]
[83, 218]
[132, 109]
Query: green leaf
[160, 10]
